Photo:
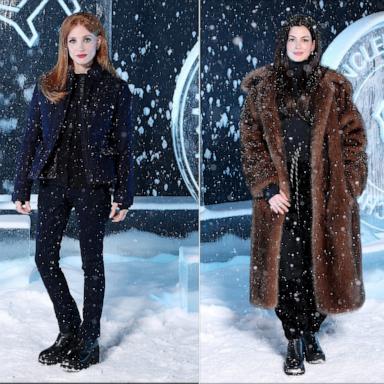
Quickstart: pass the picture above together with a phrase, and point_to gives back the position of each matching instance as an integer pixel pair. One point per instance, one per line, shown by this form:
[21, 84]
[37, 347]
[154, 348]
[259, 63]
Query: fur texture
[338, 177]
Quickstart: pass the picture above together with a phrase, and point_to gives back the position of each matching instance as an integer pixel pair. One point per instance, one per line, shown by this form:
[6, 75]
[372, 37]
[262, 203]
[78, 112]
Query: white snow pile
[145, 335]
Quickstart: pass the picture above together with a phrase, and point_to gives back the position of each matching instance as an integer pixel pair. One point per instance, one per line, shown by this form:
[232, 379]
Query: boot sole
[294, 371]
[318, 361]
[48, 362]
[68, 367]
[73, 369]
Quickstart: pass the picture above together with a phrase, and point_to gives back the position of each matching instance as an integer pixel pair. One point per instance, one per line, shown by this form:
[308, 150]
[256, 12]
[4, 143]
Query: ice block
[15, 231]
[189, 278]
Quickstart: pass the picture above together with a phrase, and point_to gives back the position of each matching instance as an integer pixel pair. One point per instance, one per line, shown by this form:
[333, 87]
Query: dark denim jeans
[92, 207]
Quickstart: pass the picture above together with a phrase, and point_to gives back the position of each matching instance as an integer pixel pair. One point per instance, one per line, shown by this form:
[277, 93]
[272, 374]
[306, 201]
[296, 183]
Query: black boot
[294, 362]
[85, 354]
[64, 343]
[312, 350]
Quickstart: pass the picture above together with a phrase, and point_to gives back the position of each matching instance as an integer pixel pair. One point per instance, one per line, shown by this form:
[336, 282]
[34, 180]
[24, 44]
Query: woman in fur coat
[304, 160]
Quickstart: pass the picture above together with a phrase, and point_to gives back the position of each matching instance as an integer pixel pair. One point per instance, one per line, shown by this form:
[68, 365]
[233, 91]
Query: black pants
[297, 306]
[296, 302]
[92, 207]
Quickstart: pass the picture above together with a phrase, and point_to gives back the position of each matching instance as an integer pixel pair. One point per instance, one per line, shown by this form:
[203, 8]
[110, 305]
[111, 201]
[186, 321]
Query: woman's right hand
[24, 209]
[279, 203]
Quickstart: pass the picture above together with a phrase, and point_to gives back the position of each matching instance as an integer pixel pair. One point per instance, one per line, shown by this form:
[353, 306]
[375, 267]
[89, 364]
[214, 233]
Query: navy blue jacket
[106, 136]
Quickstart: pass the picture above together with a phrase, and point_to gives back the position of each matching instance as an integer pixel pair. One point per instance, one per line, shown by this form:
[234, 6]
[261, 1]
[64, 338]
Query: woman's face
[299, 43]
[82, 47]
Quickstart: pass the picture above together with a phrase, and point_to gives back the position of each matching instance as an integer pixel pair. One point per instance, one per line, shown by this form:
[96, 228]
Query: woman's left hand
[117, 214]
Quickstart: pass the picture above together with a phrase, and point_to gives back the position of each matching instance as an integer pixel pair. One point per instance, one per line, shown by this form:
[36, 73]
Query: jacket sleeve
[258, 167]
[270, 191]
[354, 142]
[124, 187]
[30, 141]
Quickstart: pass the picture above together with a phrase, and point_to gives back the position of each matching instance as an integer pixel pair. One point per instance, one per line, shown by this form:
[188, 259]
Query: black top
[296, 131]
[65, 165]
[70, 163]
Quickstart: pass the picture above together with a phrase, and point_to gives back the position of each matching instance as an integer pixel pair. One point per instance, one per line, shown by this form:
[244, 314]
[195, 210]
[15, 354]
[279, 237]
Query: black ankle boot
[294, 362]
[312, 350]
[82, 356]
[64, 343]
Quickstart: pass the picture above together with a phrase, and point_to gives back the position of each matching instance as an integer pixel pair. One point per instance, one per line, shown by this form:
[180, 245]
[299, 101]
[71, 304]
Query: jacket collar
[93, 73]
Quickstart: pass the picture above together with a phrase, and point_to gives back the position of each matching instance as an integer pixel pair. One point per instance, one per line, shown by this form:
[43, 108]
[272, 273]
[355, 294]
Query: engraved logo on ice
[379, 117]
[358, 53]
[186, 122]
[361, 58]
[21, 16]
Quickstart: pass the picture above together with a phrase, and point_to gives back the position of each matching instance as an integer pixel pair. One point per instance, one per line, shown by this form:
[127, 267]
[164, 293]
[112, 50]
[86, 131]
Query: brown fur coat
[338, 177]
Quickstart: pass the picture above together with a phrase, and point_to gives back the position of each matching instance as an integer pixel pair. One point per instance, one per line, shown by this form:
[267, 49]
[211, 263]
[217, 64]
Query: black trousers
[92, 207]
[296, 301]
[297, 306]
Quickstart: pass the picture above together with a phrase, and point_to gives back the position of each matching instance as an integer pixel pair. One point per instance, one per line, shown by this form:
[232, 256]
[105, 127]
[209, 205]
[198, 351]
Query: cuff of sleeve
[270, 191]
[122, 205]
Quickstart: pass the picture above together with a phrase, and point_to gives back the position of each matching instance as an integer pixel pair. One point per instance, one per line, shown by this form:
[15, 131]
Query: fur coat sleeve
[354, 141]
[258, 167]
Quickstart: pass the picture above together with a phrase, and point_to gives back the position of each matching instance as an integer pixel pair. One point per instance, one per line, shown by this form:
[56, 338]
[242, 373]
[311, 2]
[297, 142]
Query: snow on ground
[146, 336]
[240, 343]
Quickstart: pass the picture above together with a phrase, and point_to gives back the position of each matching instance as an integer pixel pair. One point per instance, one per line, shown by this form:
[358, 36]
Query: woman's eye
[72, 41]
[87, 39]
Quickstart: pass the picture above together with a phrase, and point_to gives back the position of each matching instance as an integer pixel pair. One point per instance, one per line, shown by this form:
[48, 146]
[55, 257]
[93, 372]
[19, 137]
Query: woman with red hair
[78, 145]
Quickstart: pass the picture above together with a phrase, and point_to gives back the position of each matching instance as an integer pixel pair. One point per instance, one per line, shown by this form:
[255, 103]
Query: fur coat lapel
[266, 107]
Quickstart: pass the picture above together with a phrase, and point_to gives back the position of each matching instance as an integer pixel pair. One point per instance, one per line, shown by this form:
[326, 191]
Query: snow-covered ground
[240, 343]
[146, 336]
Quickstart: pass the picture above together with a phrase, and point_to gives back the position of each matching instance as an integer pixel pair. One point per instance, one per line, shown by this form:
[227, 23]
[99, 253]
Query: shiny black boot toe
[63, 345]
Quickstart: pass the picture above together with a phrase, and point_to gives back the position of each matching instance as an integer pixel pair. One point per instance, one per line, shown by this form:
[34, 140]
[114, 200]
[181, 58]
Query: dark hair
[281, 58]
[311, 73]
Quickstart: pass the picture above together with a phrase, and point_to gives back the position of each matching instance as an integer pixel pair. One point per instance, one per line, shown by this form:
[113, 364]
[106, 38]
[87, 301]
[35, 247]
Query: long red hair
[53, 83]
